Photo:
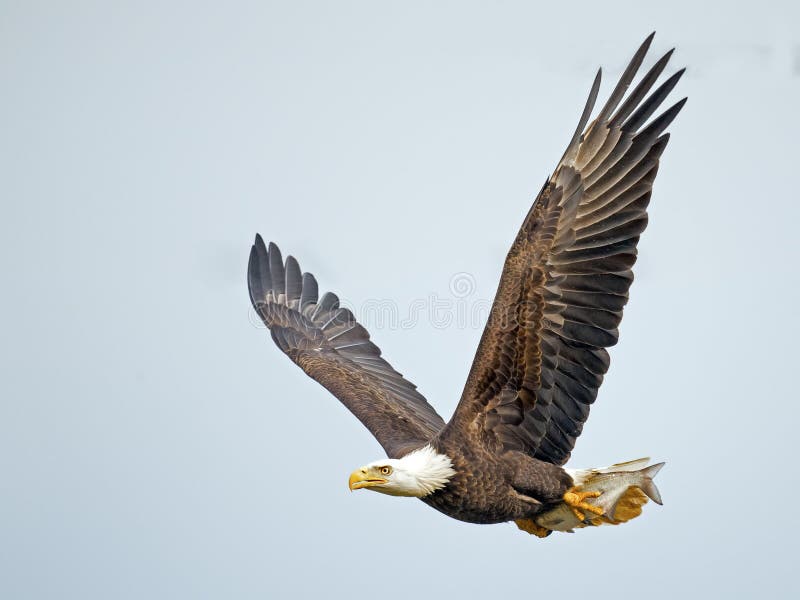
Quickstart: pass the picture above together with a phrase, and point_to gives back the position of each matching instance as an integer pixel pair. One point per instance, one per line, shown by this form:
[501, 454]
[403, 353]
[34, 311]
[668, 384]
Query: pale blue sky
[155, 444]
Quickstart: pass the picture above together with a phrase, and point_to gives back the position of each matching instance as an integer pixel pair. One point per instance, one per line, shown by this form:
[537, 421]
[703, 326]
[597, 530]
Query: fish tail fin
[647, 484]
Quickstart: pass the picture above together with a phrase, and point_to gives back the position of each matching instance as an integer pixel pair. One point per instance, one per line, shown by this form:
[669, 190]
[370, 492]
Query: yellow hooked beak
[361, 478]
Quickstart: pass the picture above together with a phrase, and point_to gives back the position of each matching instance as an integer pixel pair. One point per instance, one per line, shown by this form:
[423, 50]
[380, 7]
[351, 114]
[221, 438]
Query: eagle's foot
[576, 500]
[530, 526]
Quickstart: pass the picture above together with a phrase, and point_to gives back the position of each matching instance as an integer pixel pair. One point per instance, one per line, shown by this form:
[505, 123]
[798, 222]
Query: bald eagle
[542, 356]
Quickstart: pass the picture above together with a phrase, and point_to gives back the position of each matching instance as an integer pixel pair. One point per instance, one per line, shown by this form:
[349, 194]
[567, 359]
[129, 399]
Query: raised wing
[332, 348]
[565, 282]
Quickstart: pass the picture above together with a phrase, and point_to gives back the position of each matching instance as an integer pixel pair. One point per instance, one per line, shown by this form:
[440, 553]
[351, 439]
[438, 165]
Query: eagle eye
[386, 470]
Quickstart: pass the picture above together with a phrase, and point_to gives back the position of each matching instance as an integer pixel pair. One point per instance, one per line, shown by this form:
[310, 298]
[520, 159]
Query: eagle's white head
[417, 474]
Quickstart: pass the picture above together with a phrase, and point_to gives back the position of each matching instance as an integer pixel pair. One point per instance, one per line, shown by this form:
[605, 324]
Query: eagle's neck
[427, 470]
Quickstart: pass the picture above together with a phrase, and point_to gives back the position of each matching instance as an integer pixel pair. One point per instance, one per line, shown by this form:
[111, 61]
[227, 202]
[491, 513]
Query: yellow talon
[576, 500]
[530, 526]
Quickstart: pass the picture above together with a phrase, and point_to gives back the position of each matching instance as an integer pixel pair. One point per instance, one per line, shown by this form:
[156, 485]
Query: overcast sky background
[153, 441]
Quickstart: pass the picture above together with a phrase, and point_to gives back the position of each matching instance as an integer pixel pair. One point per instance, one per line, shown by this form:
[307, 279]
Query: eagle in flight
[542, 356]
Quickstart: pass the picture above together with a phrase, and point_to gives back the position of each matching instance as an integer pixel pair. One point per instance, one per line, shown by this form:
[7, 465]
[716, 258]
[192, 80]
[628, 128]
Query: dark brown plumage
[543, 353]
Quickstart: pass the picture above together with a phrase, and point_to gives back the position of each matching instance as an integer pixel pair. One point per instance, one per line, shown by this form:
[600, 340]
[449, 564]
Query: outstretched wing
[565, 282]
[332, 348]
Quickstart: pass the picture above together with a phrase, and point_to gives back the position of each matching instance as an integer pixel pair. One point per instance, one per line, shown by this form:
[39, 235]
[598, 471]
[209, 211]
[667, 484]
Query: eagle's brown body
[542, 356]
[497, 487]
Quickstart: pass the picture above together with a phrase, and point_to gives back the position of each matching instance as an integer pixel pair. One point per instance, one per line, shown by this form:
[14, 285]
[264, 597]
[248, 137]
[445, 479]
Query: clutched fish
[617, 495]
